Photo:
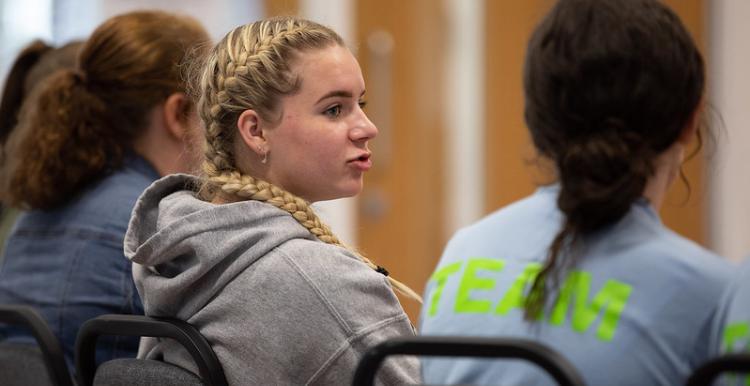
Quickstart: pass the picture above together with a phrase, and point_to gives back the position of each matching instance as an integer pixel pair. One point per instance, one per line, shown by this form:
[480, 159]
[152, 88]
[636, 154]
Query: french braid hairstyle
[250, 69]
[609, 85]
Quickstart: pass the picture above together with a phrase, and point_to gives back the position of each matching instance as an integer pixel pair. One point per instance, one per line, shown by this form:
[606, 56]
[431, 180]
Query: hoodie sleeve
[399, 370]
[365, 308]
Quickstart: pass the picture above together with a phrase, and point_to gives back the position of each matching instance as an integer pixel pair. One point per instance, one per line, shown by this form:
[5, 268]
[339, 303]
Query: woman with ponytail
[239, 252]
[614, 92]
[34, 64]
[90, 140]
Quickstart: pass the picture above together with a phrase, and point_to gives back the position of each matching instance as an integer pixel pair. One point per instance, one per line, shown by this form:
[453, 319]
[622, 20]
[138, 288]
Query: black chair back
[727, 363]
[26, 364]
[141, 371]
[561, 370]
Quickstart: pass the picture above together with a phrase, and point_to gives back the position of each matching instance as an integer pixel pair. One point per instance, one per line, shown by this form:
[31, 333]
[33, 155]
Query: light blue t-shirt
[636, 308]
[732, 329]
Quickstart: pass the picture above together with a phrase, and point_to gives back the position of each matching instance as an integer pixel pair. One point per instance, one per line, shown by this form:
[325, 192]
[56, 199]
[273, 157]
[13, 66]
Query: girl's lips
[363, 163]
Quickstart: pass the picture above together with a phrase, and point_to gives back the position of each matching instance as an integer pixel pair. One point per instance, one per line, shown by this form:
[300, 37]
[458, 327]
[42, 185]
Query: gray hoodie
[278, 306]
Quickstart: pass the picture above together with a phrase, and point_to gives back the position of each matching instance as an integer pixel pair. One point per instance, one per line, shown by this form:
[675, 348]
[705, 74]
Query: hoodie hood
[186, 250]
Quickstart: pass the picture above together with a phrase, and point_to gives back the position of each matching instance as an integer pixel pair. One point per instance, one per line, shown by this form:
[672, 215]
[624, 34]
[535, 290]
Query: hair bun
[602, 174]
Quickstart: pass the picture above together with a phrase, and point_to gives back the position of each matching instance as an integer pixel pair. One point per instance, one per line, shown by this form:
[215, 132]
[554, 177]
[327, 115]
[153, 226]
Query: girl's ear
[174, 115]
[251, 133]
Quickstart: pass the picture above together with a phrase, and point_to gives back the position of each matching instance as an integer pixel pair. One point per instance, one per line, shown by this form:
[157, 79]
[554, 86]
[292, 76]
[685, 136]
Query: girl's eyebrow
[335, 93]
[338, 93]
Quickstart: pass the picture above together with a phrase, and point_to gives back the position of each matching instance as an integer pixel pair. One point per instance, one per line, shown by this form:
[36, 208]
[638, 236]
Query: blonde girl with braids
[613, 96]
[88, 141]
[239, 252]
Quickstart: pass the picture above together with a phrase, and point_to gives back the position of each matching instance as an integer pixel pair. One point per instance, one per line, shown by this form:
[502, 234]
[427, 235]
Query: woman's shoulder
[688, 253]
[113, 196]
[541, 206]
[103, 208]
[355, 293]
[522, 228]
[128, 181]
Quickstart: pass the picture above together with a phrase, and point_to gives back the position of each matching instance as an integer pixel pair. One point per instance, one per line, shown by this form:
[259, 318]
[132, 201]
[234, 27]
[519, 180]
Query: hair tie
[79, 76]
[382, 270]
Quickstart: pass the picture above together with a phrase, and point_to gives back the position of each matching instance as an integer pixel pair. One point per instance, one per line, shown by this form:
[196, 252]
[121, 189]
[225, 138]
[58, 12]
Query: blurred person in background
[34, 64]
[92, 139]
[614, 93]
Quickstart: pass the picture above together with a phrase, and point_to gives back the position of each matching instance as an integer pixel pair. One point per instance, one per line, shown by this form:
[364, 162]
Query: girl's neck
[666, 168]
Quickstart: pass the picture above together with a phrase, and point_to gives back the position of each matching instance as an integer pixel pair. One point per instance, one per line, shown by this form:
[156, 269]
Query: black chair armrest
[444, 346]
[727, 363]
[54, 358]
[209, 368]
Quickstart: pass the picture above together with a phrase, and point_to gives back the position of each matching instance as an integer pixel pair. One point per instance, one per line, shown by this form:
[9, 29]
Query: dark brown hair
[609, 85]
[86, 119]
[35, 62]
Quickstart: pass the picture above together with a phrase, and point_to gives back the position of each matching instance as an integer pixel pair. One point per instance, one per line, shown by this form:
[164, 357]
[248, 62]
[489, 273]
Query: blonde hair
[250, 69]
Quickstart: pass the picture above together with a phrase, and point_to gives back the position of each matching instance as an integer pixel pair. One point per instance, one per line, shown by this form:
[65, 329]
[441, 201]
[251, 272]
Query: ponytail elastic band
[79, 76]
[382, 270]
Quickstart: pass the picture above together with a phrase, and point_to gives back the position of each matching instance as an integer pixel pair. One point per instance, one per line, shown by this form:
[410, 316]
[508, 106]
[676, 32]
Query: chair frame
[453, 346]
[52, 352]
[209, 368]
[727, 363]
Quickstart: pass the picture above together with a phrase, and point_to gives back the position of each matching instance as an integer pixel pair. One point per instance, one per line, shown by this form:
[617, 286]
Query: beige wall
[729, 81]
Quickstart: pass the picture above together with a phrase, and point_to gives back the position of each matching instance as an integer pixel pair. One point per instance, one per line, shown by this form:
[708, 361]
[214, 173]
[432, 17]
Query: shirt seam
[351, 339]
[342, 323]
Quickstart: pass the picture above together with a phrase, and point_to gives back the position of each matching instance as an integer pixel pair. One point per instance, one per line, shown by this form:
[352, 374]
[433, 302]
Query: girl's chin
[343, 192]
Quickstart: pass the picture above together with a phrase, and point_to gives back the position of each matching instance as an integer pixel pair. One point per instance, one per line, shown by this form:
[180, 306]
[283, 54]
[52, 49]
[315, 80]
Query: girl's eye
[362, 104]
[333, 112]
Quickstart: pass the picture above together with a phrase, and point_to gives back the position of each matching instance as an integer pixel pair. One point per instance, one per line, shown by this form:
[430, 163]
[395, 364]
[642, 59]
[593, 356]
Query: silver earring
[265, 158]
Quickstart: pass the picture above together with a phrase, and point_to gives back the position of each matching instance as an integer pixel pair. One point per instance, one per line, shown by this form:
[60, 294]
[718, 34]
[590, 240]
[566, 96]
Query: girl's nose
[364, 130]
